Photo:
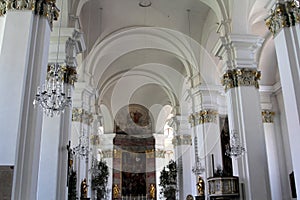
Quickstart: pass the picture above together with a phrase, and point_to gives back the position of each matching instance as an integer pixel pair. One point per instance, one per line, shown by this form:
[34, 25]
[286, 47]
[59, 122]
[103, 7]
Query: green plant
[100, 178]
[168, 180]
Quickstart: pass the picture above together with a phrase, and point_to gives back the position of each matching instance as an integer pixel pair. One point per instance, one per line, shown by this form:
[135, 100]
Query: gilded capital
[267, 116]
[208, 116]
[284, 14]
[241, 77]
[179, 140]
[203, 116]
[46, 8]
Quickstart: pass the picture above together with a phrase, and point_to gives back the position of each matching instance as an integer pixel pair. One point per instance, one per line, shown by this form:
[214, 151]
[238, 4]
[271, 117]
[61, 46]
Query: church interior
[149, 99]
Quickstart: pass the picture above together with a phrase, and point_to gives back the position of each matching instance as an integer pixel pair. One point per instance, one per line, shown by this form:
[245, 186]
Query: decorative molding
[203, 116]
[179, 140]
[285, 14]
[46, 8]
[81, 115]
[267, 116]
[241, 77]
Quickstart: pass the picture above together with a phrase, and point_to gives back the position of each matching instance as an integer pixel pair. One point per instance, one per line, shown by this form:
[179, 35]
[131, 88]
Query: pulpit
[223, 187]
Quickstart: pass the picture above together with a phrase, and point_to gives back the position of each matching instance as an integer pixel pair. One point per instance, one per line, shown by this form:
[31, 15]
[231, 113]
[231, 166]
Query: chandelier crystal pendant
[236, 149]
[52, 96]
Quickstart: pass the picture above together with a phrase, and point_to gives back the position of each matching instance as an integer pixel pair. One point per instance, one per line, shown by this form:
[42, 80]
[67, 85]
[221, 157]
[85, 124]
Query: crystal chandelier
[52, 95]
[236, 149]
[82, 149]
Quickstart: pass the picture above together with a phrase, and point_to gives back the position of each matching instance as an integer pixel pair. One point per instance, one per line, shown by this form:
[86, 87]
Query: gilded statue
[200, 186]
[152, 191]
[83, 190]
[116, 191]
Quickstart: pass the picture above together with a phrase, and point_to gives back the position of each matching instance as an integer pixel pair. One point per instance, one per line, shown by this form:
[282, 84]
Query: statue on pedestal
[200, 186]
[152, 191]
[116, 191]
[83, 189]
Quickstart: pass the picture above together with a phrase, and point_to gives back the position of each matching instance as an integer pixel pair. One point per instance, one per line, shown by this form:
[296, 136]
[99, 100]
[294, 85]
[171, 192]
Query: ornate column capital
[179, 140]
[241, 77]
[203, 116]
[46, 8]
[267, 116]
[284, 14]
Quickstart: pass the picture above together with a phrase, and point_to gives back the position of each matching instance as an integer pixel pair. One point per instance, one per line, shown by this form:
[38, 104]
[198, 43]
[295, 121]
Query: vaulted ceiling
[141, 54]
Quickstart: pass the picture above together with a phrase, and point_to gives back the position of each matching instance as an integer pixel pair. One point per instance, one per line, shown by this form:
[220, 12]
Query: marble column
[284, 24]
[240, 80]
[24, 53]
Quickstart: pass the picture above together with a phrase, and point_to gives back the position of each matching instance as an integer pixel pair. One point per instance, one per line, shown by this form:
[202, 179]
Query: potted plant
[168, 181]
[100, 178]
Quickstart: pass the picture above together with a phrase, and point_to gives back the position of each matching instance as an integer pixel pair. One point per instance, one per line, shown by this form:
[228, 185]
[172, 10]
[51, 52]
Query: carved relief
[241, 77]
[285, 14]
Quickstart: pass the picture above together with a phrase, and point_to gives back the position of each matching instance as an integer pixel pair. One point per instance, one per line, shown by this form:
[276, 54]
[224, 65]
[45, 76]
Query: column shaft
[287, 48]
[23, 67]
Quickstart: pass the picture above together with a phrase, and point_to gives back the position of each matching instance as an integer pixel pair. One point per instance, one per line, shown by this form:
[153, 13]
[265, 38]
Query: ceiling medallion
[145, 3]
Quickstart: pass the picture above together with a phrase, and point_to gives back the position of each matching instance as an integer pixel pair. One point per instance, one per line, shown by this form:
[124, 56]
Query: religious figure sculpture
[200, 186]
[116, 191]
[152, 191]
[83, 190]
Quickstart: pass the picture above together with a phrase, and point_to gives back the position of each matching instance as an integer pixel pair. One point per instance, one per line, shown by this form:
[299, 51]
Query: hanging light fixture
[52, 95]
[82, 149]
[235, 149]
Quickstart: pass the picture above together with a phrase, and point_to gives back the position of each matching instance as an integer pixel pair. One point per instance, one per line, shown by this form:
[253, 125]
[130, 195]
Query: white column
[23, 62]
[287, 47]
[286, 32]
[106, 148]
[244, 112]
[272, 153]
[160, 162]
[48, 158]
[183, 156]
